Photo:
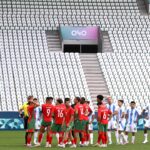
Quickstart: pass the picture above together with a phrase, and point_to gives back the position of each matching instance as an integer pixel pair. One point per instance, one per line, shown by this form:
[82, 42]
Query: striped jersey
[132, 115]
[112, 107]
[120, 110]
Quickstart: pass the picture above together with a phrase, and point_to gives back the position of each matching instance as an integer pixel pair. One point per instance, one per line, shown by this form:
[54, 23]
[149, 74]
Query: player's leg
[133, 138]
[90, 127]
[29, 138]
[100, 129]
[146, 126]
[40, 136]
[37, 128]
[109, 132]
[104, 136]
[26, 127]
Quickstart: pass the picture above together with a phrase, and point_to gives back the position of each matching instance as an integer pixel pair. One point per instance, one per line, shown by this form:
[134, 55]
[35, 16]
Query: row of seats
[112, 16]
[28, 67]
[127, 76]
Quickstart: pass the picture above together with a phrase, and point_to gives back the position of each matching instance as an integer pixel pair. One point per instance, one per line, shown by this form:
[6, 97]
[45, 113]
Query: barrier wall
[12, 121]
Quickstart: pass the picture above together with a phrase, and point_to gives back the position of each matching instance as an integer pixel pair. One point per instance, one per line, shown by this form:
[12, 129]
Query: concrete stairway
[106, 43]
[53, 40]
[142, 7]
[94, 76]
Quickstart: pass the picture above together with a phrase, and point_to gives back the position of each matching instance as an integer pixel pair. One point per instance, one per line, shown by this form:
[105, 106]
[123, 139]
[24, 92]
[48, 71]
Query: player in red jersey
[58, 114]
[86, 119]
[68, 122]
[103, 116]
[31, 121]
[80, 113]
[47, 112]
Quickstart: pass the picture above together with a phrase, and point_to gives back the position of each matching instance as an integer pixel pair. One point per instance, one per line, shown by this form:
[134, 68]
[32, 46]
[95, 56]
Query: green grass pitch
[14, 140]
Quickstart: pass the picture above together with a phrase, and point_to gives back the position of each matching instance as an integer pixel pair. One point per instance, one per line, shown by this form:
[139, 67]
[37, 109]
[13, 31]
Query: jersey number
[60, 113]
[48, 112]
[104, 116]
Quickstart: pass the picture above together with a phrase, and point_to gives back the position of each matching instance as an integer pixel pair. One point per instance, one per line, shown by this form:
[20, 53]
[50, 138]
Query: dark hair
[133, 102]
[49, 98]
[59, 100]
[100, 97]
[122, 101]
[35, 99]
[87, 102]
[29, 97]
[67, 99]
[78, 99]
[82, 100]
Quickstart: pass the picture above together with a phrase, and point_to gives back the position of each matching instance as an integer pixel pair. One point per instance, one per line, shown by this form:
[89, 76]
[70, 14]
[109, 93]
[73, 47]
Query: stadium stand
[127, 76]
[27, 65]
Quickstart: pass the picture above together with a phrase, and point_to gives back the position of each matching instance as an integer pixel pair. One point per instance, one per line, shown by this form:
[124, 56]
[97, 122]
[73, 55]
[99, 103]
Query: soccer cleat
[29, 145]
[37, 145]
[62, 145]
[110, 143]
[73, 146]
[103, 145]
[96, 145]
[145, 141]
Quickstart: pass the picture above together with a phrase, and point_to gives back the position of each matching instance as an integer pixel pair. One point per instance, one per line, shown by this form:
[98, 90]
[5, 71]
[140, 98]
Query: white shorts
[147, 123]
[90, 127]
[37, 124]
[112, 125]
[131, 128]
[121, 126]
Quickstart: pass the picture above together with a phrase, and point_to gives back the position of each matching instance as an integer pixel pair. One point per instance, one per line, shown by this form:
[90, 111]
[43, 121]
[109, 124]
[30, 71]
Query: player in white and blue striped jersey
[132, 119]
[112, 124]
[121, 121]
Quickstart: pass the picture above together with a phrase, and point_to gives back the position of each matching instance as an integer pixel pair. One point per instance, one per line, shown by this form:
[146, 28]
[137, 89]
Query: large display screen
[79, 33]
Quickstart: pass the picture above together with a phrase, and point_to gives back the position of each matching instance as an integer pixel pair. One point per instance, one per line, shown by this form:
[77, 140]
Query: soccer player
[47, 112]
[112, 124]
[24, 110]
[132, 119]
[90, 125]
[37, 112]
[80, 113]
[31, 121]
[59, 114]
[121, 122]
[86, 120]
[68, 123]
[103, 115]
[147, 123]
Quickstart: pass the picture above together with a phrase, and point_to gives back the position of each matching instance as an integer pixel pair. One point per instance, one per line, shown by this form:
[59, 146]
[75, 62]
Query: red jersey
[59, 113]
[31, 113]
[68, 114]
[103, 113]
[81, 111]
[87, 109]
[47, 111]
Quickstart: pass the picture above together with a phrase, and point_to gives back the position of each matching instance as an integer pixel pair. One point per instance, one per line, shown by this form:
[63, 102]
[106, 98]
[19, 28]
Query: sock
[60, 139]
[47, 138]
[50, 139]
[40, 138]
[133, 139]
[29, 140]
[103, 137]
[57, 136]
[145, 135]
[87, 137]
[99, 137]
[106, 139]
[26, 136]
[73, 142]
[109, 136]
[35, 136]
[124, 137]
[82, 140]
[120, 139]
[117, 136]
[91, 138]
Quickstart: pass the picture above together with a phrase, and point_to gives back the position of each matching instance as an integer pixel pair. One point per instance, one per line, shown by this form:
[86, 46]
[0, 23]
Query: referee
[23, 111]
